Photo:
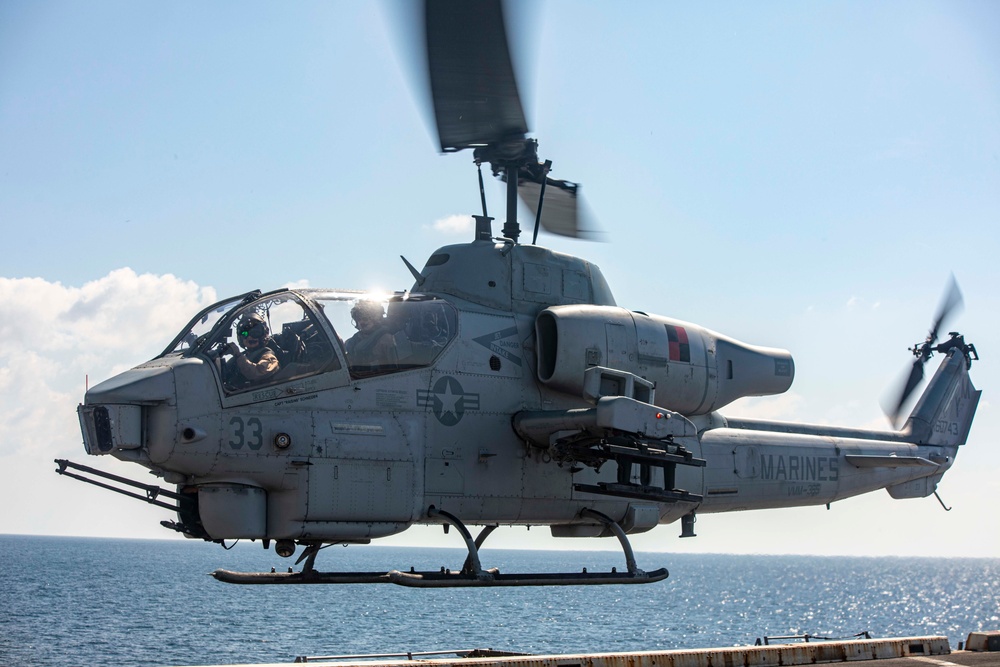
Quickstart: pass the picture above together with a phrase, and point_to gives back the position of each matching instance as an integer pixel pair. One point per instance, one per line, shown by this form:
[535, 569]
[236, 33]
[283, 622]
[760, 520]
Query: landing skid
[471, 575]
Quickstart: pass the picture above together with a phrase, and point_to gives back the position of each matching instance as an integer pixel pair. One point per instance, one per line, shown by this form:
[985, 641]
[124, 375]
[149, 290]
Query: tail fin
[944, 413]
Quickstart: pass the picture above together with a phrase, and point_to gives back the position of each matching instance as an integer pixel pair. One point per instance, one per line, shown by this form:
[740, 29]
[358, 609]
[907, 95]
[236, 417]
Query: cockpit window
[272, 340]
[198, 329]
[389, 334]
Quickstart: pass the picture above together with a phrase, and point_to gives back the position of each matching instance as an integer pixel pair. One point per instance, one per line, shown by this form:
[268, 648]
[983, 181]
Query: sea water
[79, 601]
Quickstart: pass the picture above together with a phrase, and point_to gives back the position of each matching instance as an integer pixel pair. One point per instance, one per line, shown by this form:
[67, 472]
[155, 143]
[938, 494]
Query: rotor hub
[517, 152]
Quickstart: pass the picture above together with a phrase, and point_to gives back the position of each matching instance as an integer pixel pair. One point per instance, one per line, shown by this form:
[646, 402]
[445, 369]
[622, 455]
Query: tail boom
[778, 464]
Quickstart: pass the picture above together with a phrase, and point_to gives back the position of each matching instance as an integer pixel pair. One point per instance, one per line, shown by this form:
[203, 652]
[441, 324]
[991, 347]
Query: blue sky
[799, 175]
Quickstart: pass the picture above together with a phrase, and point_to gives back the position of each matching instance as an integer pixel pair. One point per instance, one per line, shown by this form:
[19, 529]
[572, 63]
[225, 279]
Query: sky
[796, 175]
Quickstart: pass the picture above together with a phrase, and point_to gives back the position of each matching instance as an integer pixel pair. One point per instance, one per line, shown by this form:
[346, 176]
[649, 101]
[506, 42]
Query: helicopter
[506, 386]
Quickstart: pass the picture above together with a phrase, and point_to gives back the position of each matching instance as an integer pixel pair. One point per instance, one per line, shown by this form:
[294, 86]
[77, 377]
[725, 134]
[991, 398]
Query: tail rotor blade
[894, 407]
[952, 301]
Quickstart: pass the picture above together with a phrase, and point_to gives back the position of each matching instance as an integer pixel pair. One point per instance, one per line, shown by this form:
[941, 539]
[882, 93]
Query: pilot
[257, 361]
[373, 344]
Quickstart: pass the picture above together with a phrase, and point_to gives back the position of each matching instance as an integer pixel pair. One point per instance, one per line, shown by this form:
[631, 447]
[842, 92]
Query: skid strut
[472, 567]
[472, 573]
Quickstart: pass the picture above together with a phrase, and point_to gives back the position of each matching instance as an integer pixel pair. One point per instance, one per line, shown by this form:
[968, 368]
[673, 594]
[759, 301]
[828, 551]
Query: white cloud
[783, 407]
[56, 338]
[857, 302]
[121, 312]
[53, 334]
[454, 224]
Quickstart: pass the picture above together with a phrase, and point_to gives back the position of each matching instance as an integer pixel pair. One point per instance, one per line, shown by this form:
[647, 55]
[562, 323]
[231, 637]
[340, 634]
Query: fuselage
[332, 448]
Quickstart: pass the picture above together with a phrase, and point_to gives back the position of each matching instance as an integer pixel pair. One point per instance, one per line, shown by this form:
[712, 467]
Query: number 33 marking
[249, 433]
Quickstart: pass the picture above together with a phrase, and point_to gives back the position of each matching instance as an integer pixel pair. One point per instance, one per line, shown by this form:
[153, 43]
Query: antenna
[417, 276]
[484, 227]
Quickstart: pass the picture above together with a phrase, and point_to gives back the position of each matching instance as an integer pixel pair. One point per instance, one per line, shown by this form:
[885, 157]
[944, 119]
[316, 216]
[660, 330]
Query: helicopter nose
[112, 414]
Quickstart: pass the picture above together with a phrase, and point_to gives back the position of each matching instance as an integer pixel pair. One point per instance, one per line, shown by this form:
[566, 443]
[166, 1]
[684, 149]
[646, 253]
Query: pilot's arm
[265, 366]
[384, 352]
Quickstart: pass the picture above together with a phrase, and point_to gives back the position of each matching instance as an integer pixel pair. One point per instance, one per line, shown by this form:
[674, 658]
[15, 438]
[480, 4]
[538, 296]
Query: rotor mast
[476, 104]
[508, 158]
[511, 229]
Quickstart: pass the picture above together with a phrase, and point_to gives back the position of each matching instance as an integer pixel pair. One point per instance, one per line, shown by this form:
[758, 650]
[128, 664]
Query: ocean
[83, 601]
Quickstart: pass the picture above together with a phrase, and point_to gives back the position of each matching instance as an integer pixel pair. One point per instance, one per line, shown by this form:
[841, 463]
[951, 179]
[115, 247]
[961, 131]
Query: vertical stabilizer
[944, 412]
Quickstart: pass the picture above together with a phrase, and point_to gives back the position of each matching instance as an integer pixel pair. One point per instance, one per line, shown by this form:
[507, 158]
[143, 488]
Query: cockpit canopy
[312, 331]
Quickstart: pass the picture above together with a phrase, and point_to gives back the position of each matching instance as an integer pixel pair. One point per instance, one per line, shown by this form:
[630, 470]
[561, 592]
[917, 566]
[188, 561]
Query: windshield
[272, 339]
[378, 333]
[197, 330]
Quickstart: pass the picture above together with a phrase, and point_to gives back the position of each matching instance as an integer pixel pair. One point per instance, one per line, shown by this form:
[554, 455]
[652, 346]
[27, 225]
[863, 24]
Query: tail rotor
[951, 302]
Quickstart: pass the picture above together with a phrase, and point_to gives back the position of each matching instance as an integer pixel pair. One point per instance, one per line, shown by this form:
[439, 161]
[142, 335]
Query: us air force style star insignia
[501, 343]
[448, 401]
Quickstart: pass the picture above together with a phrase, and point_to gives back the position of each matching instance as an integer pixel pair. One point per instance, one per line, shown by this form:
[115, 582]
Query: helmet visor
[252, 330]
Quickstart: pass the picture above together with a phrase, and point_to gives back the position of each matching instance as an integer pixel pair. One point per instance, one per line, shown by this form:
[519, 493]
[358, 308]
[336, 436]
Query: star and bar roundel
[448, 400]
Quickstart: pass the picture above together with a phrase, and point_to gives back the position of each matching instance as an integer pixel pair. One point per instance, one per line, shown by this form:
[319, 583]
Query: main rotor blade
[473, 86]
[564, 211]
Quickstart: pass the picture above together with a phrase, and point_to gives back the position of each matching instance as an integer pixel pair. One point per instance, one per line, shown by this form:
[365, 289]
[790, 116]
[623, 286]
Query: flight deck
[893, 652]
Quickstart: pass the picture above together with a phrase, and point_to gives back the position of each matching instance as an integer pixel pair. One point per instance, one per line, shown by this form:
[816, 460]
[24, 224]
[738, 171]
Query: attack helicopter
[505, 387]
